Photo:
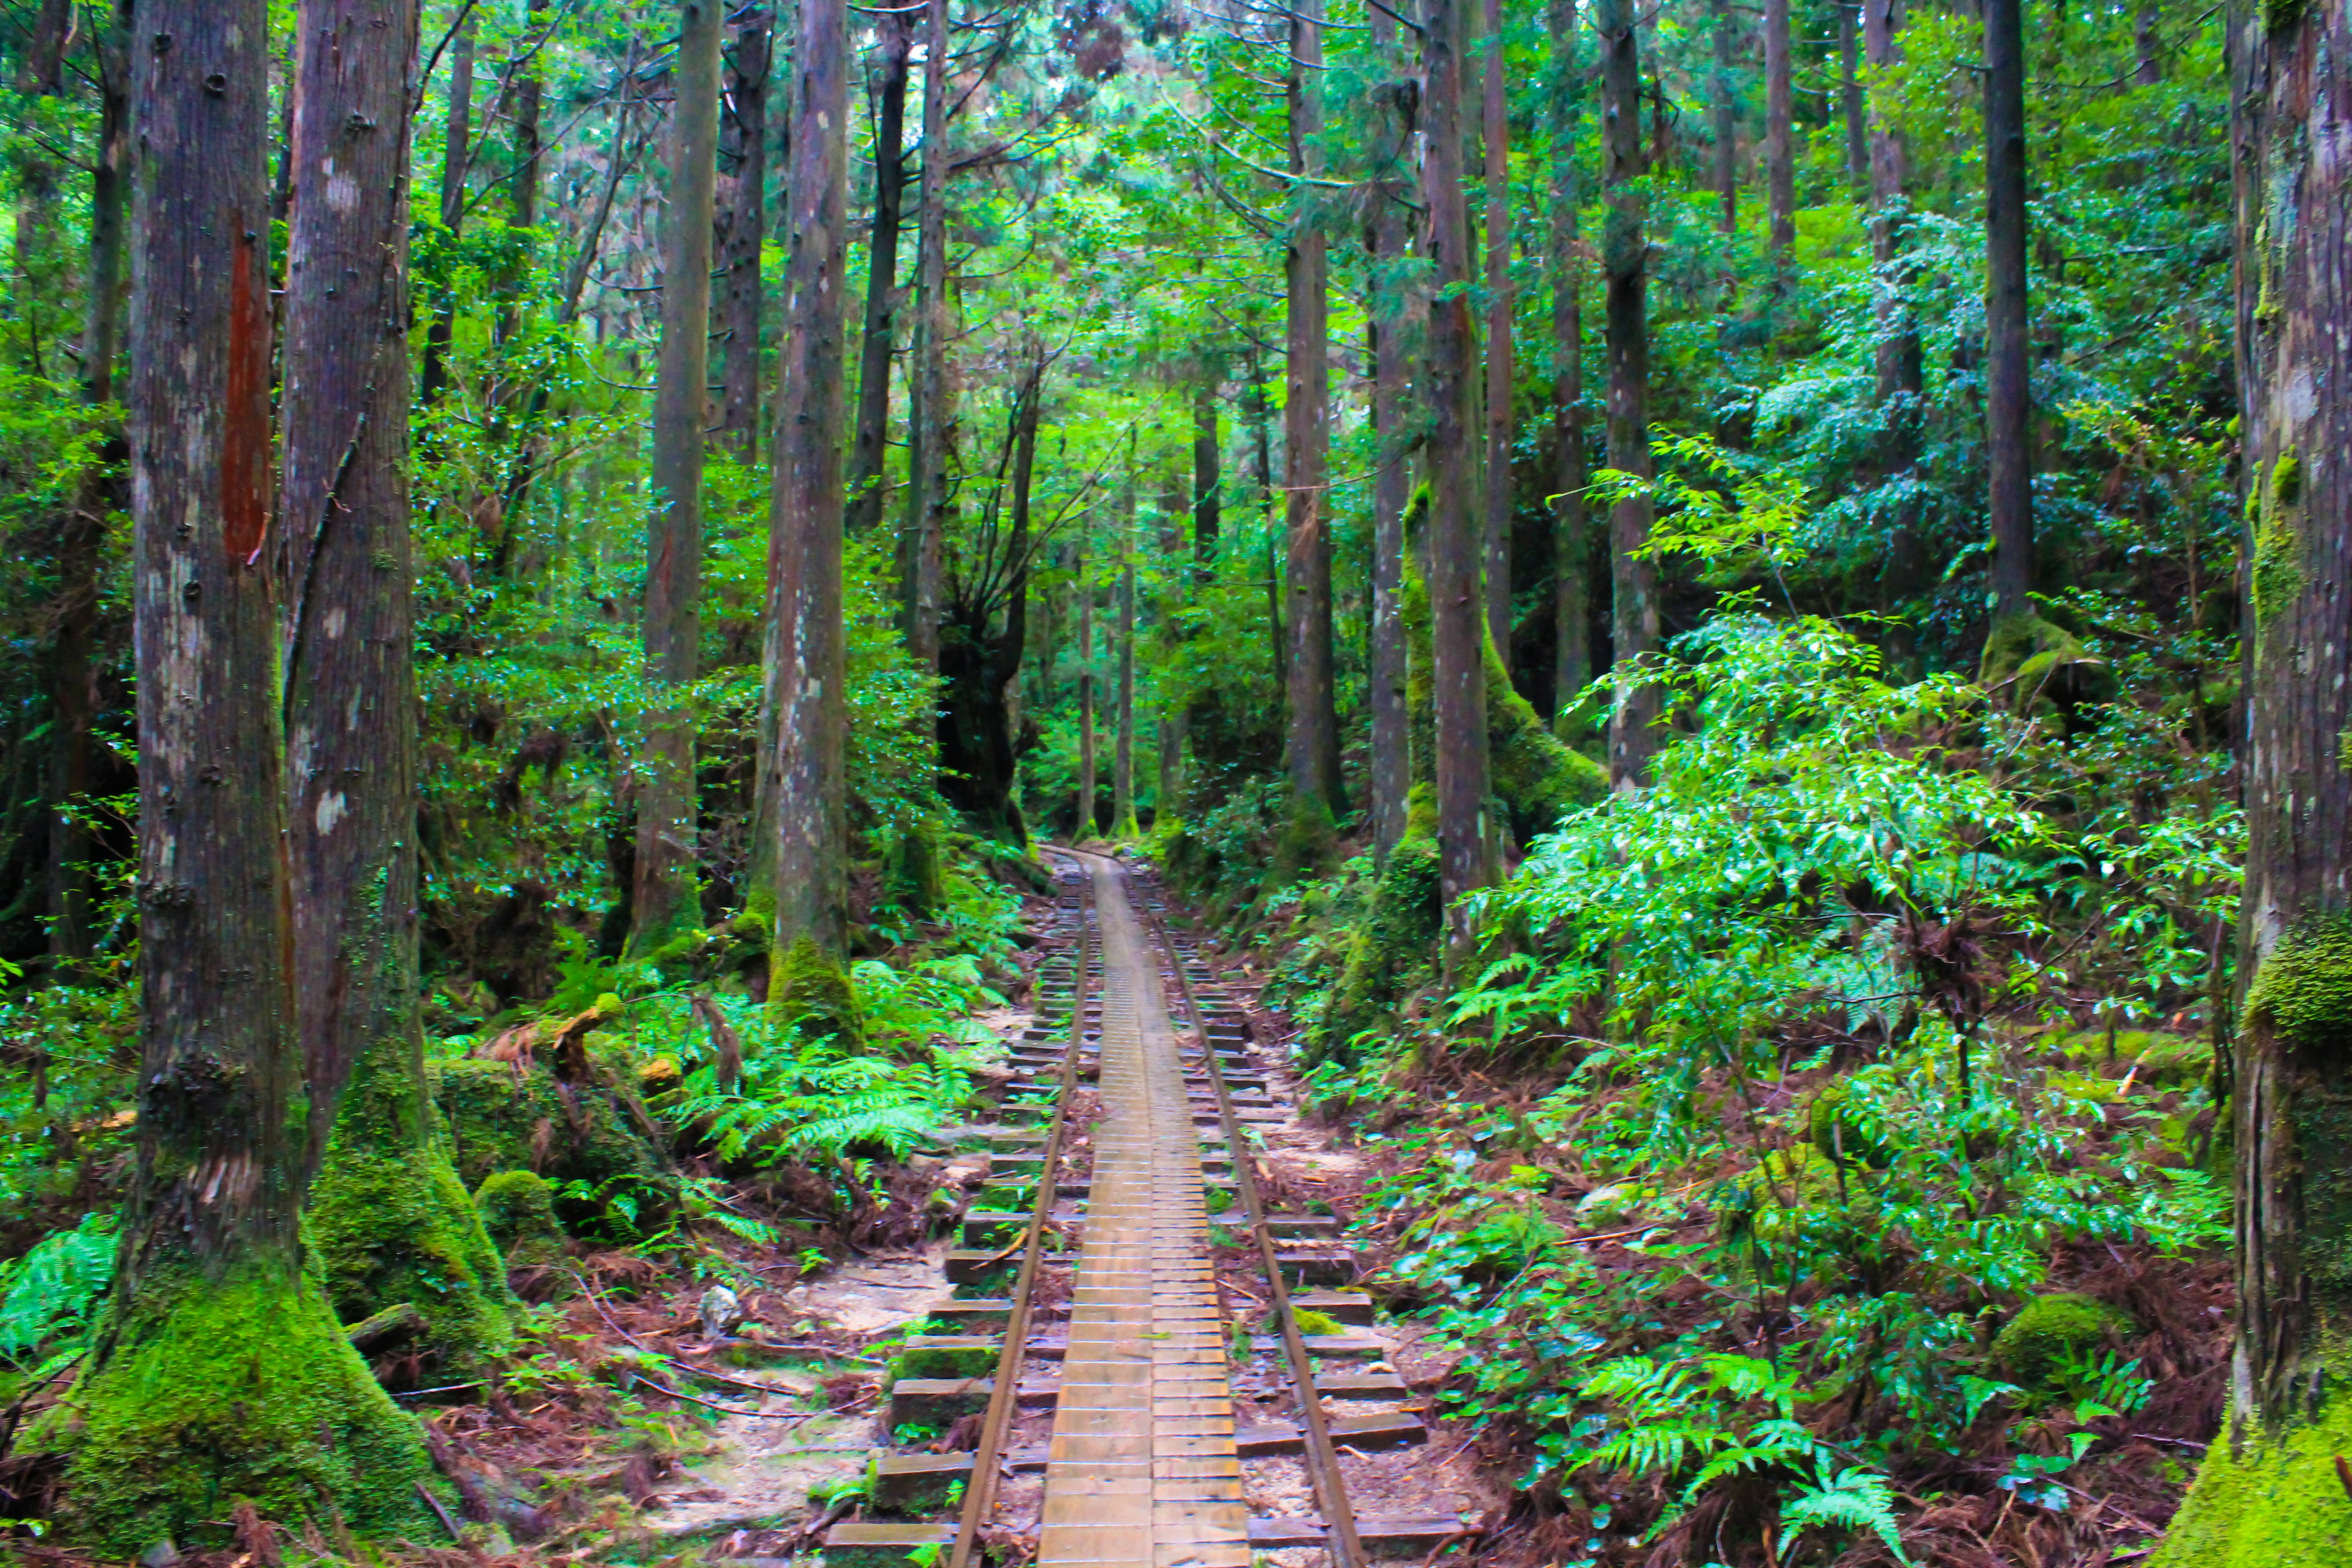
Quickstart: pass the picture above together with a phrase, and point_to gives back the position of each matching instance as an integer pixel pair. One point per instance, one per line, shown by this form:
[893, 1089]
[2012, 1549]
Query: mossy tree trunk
[388, 1217]
[2270, 1491]
[1624, 258]
[1311, 691]
[745, 229]
[218, 1371]
[665, 903]
[807, 648]
[1385, 238]
[2008, 404]
[1501, 431]
[1572, 526]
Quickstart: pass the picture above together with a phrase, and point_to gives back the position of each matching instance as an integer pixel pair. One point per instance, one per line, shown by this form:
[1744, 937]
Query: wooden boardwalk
[1142, 1471]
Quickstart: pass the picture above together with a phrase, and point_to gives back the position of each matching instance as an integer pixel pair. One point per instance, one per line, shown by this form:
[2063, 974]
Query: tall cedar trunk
[1392, 762]
[40, 71]
[2269, 1492]
[1207, 502]
[921, 537]
[1168, 630]
[1259, 417]
[210, 1270]
[513, 400]
[389, 1221]
[1088, 825]
[667, 902]
[2008, 395]
[746, 219]
[1457, 613]
[1779, 152]
[1314, 730]
[1850, 105]
[1122, 757]
[895, 42]
[1724, 110]
[1624, 258]
[1898, 380]
[807, 643]
[82, 533]
[1571, 540]
[978, 663]
[2150, 44]
[1497, 491]
[456, 155]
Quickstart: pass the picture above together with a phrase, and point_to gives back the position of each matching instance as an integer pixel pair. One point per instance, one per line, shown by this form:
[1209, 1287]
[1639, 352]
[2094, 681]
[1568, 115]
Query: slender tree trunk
[515, 398]
[922, 537]
[1898, 342]
[1779, 148]
[1259, 417]
[2270, 1488]
[1457, 611]
[40, 71]
[808, 645]
[210, 1272]
[1624, 257]
[1314, 728]
[1571, 540]
[1088, 825]
[1850, 103]
[1724, 110]
[1499, 373]
[455, 157]
[2008, 407]
[747, 225]
[1392, 762]
[895, 41]
[82, 536]
[389, 1221]
[667, 903]
[2150, 43]
[1207, 450]
[1122, 767]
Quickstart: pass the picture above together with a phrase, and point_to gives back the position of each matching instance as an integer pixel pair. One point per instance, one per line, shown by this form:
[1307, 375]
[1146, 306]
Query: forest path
[1142, 1469]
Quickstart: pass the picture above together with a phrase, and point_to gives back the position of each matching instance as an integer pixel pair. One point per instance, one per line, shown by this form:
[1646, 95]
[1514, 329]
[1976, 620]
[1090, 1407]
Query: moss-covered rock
[1838, 1131]
[221, 1390]
[2049, 1330]
[811, 988]
[2029, 661]
[518, 1207]
[2271, 1498]
[594, 1130]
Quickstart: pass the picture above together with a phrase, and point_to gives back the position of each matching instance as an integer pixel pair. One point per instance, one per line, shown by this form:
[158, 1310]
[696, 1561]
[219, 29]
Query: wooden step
[918, 1483]
[1378, 1432]
[1339, 1306]
[1360, 1385]
[867, 1545]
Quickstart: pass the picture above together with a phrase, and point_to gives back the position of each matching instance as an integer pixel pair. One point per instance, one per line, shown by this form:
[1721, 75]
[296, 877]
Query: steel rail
[1003, 1399]
[1321, 1455]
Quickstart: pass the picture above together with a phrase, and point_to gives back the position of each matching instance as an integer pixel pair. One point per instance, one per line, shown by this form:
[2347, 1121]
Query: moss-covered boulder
[592, 1129]
[2050, 1329]
[809, 988]
[2029, 661]
[517, 1210]
[1843, 1132]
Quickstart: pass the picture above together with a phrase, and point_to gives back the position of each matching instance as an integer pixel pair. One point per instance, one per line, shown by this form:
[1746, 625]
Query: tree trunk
[2009, 408]
[1624, 258]
[513, 402]
[389, 1222]
[455, 155]
[1497, 490]
[1122, 761]
[895, 41]
[1207, 501]
[1457, 611]
[980, 664]
[922, 536]
[1088, 825]
[1392, 762]
[1572, 541]
[807, 643]
[1897, 372]
[82, 536]
[1259, 417]
[2269, 1490]
[219, 1370]
[2150, 43]
[1314, 729]
[1779, 149]
[667, 902]
[1850, 105]
[1724, 110]
[747, 225]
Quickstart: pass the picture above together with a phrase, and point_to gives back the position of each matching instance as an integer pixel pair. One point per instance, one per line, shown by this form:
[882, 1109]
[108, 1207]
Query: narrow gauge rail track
[1122, 1365]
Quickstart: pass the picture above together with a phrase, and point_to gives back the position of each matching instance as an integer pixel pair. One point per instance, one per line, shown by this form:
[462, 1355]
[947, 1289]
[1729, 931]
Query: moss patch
[2025, 657]
[237, 1388]
[518, 1207]
[809, 988]
[1392, 950]
[2048, 1328]
[1839, 1133]
[2303, 989]
[2278, 548]
[2273, 1501]
[583, 1132]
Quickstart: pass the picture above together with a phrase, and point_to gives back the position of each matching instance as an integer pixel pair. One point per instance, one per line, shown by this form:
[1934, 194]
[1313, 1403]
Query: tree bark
[667, 902]
[2268, 1489]
[807, 646]
[746, 219]
[1385, 236]
[1850, 105]
[1624, 257]
[1724, 110]
[1207, 450]
[1122, 763]
[211, 1262]
[1457, 611]
[1499, 377]
[1780, 149]
[979, 663]
[1314, 728]
[922, 537]
[389, 1221]
[2150, 43]
[1897, 378]
[1088, 825]
[2009, 408]
[1259, 417]
[1572, 541]
[895, 42]
[456, 156]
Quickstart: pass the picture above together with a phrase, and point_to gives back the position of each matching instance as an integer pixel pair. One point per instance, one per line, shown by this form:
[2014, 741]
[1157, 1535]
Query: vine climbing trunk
[1624, 259]
[2269, 1490]
[1457, 612]
[1723, 111]
[388, 1220]
[806, 711]
[219, 1370]
[665, 905]
[1314, 721]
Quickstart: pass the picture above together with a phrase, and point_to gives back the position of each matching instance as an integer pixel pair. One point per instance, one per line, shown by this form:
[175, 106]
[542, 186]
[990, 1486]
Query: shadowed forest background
[1738, 613]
